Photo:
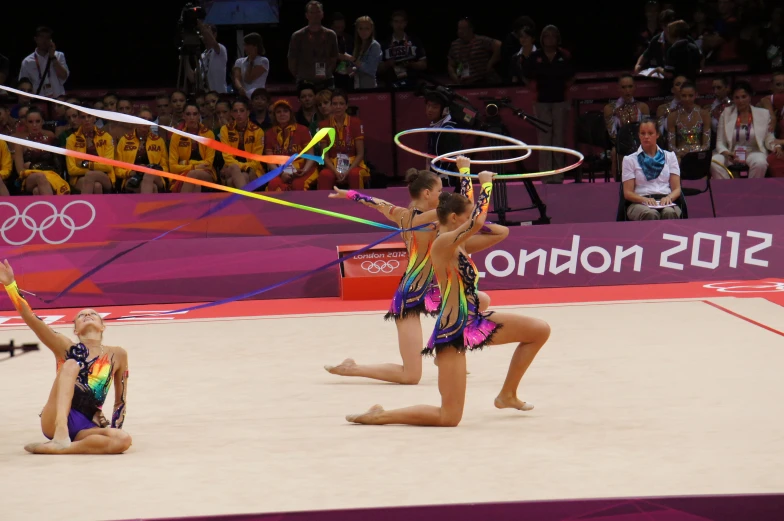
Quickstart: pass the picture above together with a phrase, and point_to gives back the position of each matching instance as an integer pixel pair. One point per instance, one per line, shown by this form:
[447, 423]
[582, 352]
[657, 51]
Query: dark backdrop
[122, 44]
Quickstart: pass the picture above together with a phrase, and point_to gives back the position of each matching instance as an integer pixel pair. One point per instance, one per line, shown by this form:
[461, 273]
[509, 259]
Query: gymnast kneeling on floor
[72, 417]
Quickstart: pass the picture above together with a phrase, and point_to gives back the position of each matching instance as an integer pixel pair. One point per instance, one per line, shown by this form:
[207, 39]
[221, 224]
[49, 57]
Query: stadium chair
[695, 166]
[591, 131]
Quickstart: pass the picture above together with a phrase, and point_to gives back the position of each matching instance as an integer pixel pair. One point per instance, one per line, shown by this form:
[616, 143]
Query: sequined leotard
[623, 113]
[690, 133]
[460, 324]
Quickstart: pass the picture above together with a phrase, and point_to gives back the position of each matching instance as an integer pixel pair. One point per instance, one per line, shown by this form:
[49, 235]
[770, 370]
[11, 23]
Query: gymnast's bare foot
[344, 369]
[366, 418]
[512, 402]
[51, 447]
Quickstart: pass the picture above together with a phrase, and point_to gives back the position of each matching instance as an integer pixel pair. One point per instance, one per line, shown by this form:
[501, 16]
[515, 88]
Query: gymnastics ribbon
[281, 283]
[125, 118]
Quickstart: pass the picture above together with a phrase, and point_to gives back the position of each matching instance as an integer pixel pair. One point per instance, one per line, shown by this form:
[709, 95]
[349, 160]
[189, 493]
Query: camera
[189, 34]
[460, 109]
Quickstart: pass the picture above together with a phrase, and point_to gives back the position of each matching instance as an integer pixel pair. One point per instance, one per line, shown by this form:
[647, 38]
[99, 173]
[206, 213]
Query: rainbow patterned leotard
[417, 292]
[93, 380]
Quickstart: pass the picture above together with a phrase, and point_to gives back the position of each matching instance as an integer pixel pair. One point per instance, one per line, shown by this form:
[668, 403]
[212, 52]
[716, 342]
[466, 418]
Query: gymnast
[72, 418]
[417, 292]
[461, 326]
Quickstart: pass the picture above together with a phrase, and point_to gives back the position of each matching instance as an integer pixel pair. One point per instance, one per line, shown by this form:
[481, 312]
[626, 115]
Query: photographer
[437, 111]
[142, 147]
[46, 66]
[212, 63]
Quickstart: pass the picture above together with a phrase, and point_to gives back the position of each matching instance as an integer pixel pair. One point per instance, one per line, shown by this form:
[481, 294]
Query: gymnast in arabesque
[72, 417]
[461, 326]
[418, 293]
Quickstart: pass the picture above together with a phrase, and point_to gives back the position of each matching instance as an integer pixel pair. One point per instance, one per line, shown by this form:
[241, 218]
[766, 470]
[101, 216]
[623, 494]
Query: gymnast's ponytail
[420, 180]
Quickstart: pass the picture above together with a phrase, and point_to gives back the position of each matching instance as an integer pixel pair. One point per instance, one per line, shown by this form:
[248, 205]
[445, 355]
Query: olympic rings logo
[30, 223]
[380, 266]
[737, 286]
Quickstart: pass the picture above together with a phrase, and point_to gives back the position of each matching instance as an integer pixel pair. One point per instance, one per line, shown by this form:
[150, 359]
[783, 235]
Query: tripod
[190, 62]
[500, 194]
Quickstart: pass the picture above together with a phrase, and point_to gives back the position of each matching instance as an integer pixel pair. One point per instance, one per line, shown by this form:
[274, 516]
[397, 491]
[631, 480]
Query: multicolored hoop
[468, 132]
[467, 151]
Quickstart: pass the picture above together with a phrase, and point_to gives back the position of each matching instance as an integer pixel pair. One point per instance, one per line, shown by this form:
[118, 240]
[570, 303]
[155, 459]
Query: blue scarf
[651, 166]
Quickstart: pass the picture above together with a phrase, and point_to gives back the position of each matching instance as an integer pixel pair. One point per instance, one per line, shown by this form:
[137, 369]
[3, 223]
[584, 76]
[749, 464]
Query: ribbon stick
[124, 118]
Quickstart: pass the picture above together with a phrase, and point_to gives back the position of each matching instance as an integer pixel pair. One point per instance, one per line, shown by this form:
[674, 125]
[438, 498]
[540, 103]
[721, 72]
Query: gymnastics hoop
[575, 153]
[480, 133]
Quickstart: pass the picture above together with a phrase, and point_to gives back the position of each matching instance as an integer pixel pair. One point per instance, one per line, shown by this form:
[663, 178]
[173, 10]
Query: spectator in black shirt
[404, 57]
[345, 48]
[652, 9]
[510, 46]
[553, 73]
[683, 57]
[307, 115]
[653, 56]
[516, 65]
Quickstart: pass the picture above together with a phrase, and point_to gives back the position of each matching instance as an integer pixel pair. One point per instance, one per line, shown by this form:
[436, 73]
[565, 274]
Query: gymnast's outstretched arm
[389, 210]
[56, 342]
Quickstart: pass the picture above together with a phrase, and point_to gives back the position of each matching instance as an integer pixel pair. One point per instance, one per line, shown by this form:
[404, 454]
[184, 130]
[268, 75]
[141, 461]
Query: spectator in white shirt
[250, 72]
[651, 178]
[213, 59]
[46, 66]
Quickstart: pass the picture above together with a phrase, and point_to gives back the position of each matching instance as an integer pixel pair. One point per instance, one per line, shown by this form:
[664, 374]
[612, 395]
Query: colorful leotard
[93, 380]
[460, 324]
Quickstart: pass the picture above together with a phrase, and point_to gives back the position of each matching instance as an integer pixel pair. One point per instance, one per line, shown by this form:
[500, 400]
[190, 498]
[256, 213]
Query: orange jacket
[128, 147]
[6, 162]
[180, 161]
[254, 143]
[104, 146]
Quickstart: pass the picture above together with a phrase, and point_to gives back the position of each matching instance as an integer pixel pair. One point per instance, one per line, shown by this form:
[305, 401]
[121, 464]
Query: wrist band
[11, 286]
[488, 186]
[465, 170]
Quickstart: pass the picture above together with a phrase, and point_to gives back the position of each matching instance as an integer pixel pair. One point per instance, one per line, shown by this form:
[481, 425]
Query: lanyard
[347, 128]
[748, 128]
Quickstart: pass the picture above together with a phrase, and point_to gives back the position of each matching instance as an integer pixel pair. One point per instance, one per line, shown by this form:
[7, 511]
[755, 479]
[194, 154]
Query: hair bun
[443, 197]
[411, 175]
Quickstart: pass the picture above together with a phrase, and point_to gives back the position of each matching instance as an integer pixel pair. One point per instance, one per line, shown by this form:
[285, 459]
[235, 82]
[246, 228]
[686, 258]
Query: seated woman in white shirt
[651, 178]
[744, 136]
[250, 73]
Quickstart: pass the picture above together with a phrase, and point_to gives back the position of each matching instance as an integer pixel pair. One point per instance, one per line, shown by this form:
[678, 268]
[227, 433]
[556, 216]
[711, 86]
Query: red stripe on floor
[747, 319]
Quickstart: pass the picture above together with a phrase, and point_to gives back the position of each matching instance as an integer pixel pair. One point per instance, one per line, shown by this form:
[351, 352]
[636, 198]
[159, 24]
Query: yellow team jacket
[180, 150]
[254, 143]
[128, 147]
[6, 162]
[104, 145]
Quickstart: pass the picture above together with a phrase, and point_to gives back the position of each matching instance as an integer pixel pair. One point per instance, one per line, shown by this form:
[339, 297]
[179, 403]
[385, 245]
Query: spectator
[654, 54]
[74, 122]
[403, 55]
[250, 72]
[775, 104]
[345, 161]
[551, 68]
[287, 138]
[723, 42]
[190, 158]
[164, 112]
[241, 134]
[89, 177]
[527, 47]
[6, 167]
[46, 66]
[663, 111]
[683, 58]
[651, 28]
[324, 104]
[744, 136]
[721, 101]
[222, 115]
[773, 38]
[313, 50]
[511, 43]
[110, 102]
[472, 57]
[777, 87]
[117, 128]
[207, 109]
[25, 85]
[343, 79]
[367, 54]
[700, 26]
[688, 128]
[624, 111]
[7, 123]
[307, 115]
[21, 123]
[5, 68]
[37, 168]
[178, 101]
[437, 112]
[213, 59]
[142, 147]
[260, 105]
[651, 178]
